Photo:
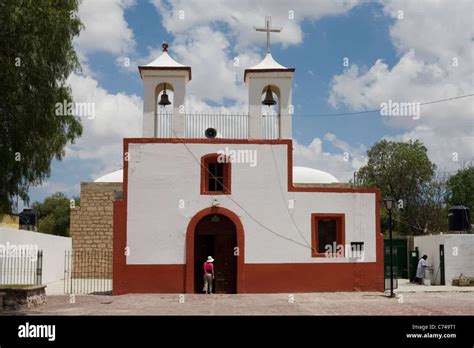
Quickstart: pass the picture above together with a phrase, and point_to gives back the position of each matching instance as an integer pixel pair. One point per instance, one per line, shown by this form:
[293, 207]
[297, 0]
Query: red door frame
[189, 280]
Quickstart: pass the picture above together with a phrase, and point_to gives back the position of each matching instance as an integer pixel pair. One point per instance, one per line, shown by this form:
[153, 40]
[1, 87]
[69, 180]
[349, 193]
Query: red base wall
[259, 278]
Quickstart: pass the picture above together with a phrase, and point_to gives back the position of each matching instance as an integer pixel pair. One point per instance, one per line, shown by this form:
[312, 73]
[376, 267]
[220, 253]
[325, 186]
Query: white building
[449, 256]
[270, 227]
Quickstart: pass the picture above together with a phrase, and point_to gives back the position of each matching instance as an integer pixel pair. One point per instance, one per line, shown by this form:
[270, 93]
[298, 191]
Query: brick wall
[92, 230]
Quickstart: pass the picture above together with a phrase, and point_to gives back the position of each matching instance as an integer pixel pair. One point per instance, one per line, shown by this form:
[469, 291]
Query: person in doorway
[420, 270]
[208, 275]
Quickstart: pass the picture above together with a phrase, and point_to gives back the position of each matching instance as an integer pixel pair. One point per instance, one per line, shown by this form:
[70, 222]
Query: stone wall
[92, 230]
[20, 298]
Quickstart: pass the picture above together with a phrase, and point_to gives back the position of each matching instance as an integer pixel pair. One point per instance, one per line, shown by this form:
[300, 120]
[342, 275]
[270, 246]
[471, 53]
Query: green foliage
[36, 57]
[461, 188]
[404, 171]
[397, 168]
[54, 214]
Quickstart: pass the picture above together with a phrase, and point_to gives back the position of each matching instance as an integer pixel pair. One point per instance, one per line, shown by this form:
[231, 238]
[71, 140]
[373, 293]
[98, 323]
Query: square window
[327, 235]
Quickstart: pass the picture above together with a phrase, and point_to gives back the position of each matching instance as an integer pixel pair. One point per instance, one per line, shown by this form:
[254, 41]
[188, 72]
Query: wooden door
[216, 236]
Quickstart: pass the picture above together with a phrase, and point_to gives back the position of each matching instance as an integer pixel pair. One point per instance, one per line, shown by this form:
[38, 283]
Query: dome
[116, 176]
[304, 175]
[301, 175]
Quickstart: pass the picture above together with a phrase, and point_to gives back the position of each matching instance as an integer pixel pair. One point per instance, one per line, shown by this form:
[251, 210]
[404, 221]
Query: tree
[427, 211]
[36, 57]
[54, 214]
[403, 171]
[460, 188]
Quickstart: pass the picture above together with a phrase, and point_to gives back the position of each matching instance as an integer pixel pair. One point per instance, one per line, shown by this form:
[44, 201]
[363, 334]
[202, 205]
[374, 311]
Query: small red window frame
[227, 181]
[340, 233]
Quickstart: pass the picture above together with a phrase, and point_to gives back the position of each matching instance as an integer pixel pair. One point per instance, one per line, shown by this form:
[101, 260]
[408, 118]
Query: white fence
[270, 126]
[164, 126]
[228, 126]
[53, 248]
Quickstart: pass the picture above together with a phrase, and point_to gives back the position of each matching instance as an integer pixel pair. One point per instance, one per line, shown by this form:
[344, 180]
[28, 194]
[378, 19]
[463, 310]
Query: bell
[269, 101]
[164, 98]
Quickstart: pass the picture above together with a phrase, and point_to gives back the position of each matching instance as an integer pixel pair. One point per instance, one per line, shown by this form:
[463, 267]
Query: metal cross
[267, 29]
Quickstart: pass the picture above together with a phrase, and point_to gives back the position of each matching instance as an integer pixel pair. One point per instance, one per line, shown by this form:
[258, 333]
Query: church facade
[224, 186]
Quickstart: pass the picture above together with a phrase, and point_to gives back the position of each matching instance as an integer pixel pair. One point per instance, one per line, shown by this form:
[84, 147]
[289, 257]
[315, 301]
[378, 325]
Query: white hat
[210, 259]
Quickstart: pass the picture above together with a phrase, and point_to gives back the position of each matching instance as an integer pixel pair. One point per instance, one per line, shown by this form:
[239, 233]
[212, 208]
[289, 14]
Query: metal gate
[400, 258]
[21, 267]
[88, 272]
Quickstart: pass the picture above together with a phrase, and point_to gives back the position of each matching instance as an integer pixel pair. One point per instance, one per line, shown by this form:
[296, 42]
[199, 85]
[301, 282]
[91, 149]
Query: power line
[350, 113]
[235, 202]
[284, 200]
[407, 224]
[378, 110]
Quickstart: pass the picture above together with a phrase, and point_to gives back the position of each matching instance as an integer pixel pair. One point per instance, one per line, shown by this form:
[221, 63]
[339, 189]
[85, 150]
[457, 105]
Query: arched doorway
[215, 232]
[216, 236]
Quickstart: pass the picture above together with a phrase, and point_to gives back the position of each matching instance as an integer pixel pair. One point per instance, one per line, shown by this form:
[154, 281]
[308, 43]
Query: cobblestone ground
[447, 303]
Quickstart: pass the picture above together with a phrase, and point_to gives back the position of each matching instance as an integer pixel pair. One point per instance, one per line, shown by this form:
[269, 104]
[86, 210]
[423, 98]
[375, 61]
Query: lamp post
[389, 205]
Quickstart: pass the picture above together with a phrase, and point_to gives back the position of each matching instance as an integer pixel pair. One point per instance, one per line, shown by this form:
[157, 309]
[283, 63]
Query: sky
[349, 56]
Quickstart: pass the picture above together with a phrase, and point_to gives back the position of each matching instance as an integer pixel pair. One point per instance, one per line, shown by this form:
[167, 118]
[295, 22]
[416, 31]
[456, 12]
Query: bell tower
[270, 89]
[164, 82]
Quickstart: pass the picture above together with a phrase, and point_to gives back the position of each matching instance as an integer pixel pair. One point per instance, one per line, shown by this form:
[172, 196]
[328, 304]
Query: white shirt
[420, 270]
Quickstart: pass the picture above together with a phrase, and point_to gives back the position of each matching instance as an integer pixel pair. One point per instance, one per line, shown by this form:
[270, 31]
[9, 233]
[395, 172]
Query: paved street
[355, 303]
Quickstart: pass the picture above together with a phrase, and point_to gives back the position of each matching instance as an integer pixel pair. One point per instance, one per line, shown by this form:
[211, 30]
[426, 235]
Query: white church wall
[163, 177]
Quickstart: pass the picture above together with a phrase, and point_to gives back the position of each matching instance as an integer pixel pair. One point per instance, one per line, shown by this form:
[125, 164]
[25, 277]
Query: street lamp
[389, 202]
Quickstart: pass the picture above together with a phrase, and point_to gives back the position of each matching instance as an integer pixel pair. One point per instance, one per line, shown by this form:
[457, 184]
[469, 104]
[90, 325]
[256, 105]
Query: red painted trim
[186, 68]
[118, 258]
[340, 233]
[266, 70]
[206, 141]
[189, 283]
[227, 181]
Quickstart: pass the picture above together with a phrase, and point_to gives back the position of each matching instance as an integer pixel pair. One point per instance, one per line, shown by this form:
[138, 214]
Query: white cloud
[215, 76]
[429, 40]
[211, 36]
[241, 16]
[106, 29]
[48, 188]
[117, 116]
[342, 165]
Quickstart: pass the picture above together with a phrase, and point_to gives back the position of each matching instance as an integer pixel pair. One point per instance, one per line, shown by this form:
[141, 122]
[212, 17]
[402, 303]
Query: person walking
[208, 275]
